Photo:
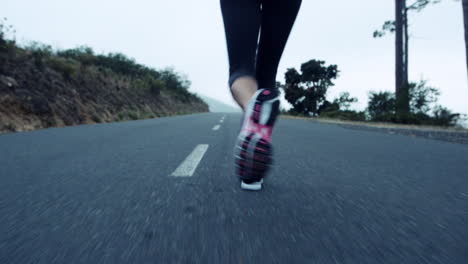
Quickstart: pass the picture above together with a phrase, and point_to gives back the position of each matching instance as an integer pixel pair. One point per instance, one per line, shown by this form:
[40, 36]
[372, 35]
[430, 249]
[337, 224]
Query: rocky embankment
[38, 91]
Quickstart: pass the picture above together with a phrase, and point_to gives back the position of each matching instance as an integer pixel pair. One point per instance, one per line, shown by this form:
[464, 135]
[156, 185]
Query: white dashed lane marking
[222, 119]
[217, 127]
[190, 164]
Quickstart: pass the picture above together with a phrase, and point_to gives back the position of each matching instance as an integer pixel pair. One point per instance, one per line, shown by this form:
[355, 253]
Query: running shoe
[253, 186]
[253, 151]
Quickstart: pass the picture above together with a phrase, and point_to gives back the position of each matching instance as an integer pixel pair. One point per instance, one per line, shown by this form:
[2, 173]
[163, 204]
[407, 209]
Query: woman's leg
[242, 20]
[278, 17]
[242, 24]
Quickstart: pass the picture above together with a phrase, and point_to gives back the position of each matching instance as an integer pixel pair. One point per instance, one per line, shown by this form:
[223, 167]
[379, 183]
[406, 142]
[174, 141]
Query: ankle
[243, 90]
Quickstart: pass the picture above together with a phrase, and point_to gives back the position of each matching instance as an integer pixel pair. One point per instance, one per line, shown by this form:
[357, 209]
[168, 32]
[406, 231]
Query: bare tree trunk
[465, 20]
[400, 7]
[405, 47]
[405, 107]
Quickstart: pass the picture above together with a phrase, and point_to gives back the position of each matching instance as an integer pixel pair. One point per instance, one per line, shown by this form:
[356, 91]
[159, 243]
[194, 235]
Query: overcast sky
[189, 36]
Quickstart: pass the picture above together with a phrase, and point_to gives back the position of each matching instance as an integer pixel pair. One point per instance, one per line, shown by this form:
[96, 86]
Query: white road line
[222, 121]
[190, 164]
[217, 127]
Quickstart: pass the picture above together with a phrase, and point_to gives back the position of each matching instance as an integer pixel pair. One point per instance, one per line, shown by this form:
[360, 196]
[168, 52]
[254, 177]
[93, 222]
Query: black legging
[242, 22]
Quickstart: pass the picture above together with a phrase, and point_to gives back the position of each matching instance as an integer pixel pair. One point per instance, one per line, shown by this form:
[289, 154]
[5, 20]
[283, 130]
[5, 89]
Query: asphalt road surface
[163, 191]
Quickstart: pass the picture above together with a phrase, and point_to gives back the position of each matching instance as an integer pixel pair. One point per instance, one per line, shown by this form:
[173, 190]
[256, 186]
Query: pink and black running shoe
[253, 151]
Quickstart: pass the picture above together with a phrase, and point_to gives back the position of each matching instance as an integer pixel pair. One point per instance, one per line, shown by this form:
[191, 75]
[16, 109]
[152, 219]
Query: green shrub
[156, 85]
[133, 115]
[149, 84]
[39, 50]
[39, 53]
[328, 106]
[422, 97]
[142, 77]
[444, 117]
[293, 112]
[10, 127]
[68, 68]
[119, 63]
[83, 54]
[7, 35]
[345, 115]
[344, 101]
[140, 84]
[120, 116]
[381, 106]
[96, 118]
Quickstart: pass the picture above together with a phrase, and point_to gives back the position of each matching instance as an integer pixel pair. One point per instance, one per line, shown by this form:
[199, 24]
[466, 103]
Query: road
[110, 193]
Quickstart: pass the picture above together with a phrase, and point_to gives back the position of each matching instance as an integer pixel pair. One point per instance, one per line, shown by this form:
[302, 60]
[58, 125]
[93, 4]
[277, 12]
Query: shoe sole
[252, 187]
[253, 153]
[253, 158]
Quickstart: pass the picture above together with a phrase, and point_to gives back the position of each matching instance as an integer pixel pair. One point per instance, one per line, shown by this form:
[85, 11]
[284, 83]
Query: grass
[378, 124]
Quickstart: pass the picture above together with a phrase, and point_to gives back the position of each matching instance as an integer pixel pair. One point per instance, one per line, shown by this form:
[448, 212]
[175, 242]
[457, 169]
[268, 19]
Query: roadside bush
[39, 53]
[142, 77]
[381, 106]
[293, 112]
[96, 118]
[422, 97]
[68, 68]
[133, 115]
[121, 64]
[120, 116]
[328, 106]
[344, 101]
[39, 50]
[10, 127]
[411, 118]
[345, 115]
[7, 36]
[156, 85]
[444, 117]
[83, 54]
[339, 108]
[174, 81]
[149, 84]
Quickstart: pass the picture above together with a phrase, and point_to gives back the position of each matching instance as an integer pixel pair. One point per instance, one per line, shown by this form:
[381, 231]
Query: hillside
[218, 106]
[41, 88]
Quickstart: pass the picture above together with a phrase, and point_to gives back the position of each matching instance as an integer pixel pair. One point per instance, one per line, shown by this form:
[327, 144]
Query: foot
[252, 186]
[253, 153]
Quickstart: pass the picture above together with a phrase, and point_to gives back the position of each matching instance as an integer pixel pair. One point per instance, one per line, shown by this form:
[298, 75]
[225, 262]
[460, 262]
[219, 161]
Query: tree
[400, 27]
[401, 59]
[465, 20]
[306, 91]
